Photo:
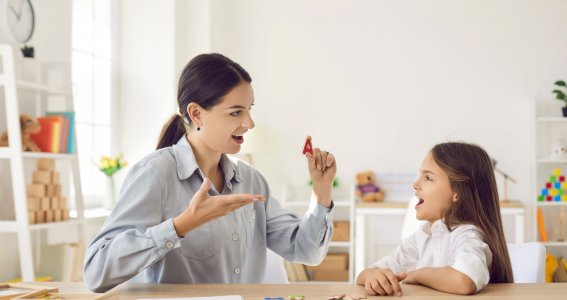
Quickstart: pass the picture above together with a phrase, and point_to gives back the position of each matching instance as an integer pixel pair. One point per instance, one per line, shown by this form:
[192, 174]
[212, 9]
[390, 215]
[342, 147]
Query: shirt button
[234, 237]
[253, 216]
[237, 271]
[169, 244]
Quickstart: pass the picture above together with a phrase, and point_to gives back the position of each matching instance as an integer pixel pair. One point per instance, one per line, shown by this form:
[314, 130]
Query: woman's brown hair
[204, 80]
[471, 177]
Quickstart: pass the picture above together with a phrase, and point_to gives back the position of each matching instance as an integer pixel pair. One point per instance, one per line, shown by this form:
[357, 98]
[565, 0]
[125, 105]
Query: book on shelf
[541, 225]
[57, 133]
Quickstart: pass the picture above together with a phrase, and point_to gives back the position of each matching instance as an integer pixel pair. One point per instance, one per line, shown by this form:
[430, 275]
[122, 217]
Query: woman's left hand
[322, 169]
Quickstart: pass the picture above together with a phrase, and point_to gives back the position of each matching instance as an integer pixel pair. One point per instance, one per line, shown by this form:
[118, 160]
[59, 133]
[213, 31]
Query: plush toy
[28, 125]
[366, 188]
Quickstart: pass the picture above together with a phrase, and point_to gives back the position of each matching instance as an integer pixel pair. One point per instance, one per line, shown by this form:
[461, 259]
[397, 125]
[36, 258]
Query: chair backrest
[528, 262]
[275, 270]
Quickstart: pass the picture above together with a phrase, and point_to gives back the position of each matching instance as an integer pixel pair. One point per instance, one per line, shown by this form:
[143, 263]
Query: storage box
[326, 275]
[333, 262]
[55, 203]
[341, 231]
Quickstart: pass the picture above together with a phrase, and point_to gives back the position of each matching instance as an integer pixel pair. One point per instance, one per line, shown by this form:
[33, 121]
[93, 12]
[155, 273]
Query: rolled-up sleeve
[304, 240]
[472, 256]
[134, 236]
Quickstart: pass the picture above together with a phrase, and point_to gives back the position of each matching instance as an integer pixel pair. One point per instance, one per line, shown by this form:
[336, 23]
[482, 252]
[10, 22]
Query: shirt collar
[436, 228]
[187, 164]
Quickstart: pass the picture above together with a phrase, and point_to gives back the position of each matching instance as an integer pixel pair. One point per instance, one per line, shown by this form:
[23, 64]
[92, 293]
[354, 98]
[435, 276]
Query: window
[94, 102]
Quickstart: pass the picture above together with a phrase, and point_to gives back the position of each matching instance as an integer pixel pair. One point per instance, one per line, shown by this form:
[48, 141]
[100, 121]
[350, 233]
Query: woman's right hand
[381, 282]
[204, 208]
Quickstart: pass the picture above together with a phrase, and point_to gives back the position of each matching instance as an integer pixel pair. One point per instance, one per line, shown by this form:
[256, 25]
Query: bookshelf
[343, 211]
[550, 126]
[18, 161]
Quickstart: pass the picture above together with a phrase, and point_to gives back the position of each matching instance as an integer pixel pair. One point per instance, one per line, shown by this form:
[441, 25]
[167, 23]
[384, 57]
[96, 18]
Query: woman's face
[224, 125]
[433, 190]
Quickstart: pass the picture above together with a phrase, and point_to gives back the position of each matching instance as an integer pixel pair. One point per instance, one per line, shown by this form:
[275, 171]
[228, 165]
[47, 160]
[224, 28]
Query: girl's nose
[415, 186]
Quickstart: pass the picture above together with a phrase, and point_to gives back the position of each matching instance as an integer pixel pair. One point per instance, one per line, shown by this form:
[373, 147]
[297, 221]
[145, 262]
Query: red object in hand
[307, 147]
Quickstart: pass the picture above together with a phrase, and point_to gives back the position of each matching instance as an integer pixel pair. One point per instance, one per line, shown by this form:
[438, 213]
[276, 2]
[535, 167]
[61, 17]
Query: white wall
[146, 73]
[380, 82]
[375, 82]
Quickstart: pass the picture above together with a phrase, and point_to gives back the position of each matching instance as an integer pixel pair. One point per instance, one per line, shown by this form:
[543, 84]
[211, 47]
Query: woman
[190, 214]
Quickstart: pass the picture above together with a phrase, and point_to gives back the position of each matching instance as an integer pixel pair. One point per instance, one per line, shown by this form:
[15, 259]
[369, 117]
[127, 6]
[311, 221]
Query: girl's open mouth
[419, 203]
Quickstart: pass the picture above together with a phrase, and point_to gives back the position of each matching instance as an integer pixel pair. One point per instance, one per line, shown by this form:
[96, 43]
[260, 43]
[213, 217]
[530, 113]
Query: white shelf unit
[549, 126]
[343, 211]
[10, 89]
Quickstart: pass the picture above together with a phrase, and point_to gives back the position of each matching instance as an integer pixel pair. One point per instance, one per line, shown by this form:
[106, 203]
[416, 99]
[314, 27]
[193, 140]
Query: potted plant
[561, 95]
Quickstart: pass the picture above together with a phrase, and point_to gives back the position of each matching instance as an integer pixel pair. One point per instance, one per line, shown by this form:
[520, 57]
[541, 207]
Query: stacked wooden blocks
[45, 203]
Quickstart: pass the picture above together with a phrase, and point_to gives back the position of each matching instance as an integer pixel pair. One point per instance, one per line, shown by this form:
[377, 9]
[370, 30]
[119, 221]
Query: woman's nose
[248, 123]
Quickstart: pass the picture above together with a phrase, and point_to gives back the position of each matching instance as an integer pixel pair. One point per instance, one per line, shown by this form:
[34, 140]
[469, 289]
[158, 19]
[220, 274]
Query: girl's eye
[428, 178]
[235, 113]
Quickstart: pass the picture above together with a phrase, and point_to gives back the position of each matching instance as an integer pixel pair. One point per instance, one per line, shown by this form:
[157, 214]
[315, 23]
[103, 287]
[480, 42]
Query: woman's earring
[198, 128]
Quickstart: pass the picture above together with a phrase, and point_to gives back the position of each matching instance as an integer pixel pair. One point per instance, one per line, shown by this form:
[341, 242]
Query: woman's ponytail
[171, 132]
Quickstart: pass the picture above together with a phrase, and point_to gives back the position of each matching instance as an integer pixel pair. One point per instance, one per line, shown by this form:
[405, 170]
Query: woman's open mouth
[238, 138]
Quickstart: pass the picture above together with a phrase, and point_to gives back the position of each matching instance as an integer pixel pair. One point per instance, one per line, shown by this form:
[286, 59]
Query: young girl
[461, 247]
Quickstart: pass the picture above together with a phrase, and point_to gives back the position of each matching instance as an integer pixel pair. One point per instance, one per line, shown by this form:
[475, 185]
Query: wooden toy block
[42, 177]
[55, 177]
[54, 203]
[62, 202]
[53, 190]
[40, 216]
[31, 216]
[57, 215]
[65, 214]
[34, 204]
[49, 216]
[36, 190]
[46, 164]
[44, 203]
[22, 290]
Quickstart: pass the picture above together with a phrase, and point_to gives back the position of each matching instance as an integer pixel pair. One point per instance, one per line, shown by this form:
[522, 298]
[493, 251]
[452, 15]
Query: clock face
[20, 19]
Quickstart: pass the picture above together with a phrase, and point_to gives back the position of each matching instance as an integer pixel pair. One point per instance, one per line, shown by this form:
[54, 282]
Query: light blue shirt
[139, 235]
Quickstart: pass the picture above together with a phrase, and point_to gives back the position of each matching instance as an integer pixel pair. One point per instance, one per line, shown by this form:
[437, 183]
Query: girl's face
[433, 190]
[224, 125]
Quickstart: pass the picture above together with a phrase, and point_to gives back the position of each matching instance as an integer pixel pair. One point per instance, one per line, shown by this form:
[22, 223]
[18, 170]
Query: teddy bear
[366, 188]
[28, 126]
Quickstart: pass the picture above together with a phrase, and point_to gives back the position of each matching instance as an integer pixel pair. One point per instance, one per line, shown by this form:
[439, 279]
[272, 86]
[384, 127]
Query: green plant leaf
[559, 95]
[560, 83]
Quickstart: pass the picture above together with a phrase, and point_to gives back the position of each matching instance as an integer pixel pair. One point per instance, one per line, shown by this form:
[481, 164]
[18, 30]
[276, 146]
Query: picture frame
[13, 290]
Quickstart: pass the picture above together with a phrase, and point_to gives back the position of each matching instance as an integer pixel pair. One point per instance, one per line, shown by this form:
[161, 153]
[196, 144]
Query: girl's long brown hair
[471, 176]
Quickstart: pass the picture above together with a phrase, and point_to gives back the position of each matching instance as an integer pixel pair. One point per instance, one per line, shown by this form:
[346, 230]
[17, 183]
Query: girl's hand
[322, 169]
[410, 277]
[204, 208]
[381, 282]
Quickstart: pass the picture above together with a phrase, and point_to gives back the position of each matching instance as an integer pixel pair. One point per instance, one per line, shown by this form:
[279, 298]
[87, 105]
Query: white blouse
[462, 249]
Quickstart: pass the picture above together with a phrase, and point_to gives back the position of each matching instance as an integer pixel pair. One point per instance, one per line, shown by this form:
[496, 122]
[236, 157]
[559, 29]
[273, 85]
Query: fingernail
[255, 199]
[399, 294]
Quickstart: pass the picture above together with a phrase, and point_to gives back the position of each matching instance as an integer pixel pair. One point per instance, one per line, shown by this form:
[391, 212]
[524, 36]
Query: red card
[307, 147]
